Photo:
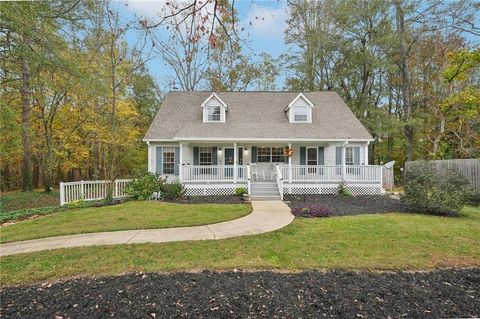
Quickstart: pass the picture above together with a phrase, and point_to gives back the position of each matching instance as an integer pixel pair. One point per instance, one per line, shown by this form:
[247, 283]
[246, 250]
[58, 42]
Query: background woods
[77, 94]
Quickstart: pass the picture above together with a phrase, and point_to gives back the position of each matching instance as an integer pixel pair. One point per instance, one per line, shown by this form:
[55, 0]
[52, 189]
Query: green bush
[28, 212]
[142, 188]
[428, 191]
[343, 190]
[171, 191]
[240, 191]
[473, 198]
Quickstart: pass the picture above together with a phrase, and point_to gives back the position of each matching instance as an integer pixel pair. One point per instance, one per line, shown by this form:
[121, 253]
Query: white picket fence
[91, 190]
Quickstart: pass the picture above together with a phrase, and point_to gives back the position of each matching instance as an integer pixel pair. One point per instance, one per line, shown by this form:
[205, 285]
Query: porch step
[265, 190]
[265, 198]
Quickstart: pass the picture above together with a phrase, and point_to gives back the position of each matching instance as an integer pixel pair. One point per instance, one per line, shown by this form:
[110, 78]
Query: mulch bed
[438, 294]
[342, 205]
[227, 199]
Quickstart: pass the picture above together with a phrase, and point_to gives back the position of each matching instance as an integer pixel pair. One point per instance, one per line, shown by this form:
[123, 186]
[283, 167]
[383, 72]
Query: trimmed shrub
[240, 191]
[171, 191]
[428, 191]
[311, 211]
[142, 188]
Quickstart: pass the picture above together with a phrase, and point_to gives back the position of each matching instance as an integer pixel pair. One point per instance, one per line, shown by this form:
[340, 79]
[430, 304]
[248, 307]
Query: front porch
[294, 168]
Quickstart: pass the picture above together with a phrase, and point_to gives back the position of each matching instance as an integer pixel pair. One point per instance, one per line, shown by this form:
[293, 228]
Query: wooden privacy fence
[91, 190]
[468, 168]
[387, 178]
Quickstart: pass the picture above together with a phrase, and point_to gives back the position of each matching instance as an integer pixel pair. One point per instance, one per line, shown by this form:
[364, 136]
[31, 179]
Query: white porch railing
[91, 190]
[249, 177]
[213, 173]
[332, 173]
[279, 180]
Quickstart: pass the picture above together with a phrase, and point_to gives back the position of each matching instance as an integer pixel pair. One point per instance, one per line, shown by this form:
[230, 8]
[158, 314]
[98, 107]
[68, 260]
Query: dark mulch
[439, 294]
[227, 199]
[342, 205]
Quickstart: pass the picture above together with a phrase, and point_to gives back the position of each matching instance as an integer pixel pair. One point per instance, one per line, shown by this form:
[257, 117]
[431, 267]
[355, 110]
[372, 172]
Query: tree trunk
[405, 86]
[27, 148]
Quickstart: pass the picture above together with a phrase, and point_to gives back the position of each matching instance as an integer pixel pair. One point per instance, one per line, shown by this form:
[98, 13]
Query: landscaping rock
[349, 205]
[437, 294]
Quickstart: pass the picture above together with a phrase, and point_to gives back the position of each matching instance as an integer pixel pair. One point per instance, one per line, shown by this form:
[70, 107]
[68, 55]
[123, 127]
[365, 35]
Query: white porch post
[149, 148]
[180, 163]
[366, 153]
[344, 157]
[290, 164]
[235, 160]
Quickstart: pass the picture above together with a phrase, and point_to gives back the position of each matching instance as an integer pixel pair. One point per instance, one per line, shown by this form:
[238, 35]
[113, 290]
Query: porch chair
[256, 175]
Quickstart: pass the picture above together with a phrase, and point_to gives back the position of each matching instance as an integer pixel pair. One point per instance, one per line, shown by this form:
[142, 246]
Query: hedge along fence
[468, 168]
[92, 190]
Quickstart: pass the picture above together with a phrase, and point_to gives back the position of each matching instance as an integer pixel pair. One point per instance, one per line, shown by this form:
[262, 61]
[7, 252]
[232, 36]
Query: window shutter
[176, 169]
[303, 155]
[214, 156]
[356, 155]
[196, 155]
[338, 155]
[321, 157]
[159, 166]
[254, 154]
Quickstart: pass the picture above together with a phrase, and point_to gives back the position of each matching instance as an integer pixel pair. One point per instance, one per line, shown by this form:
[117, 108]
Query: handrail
[248, 179]
[279, 180]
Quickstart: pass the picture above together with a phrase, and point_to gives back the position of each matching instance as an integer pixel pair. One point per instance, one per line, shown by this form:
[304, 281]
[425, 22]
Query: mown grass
[363, 242]
[10, 201]
[129, 215]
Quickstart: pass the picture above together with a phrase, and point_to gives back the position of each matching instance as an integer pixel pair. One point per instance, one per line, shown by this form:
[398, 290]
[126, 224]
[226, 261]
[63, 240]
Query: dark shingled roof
[254, 115]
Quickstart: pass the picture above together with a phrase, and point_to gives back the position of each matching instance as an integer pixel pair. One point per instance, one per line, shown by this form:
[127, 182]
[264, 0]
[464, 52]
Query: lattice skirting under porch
[355, 189]
[211, 189]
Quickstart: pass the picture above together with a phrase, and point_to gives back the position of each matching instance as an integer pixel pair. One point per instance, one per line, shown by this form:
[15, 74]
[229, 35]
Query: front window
[270, 155]
[312, 156]
[349, 156]
[300, 114]
[205, 155]
[213, 113]
[264, 154]
[168, 160]
[278, 155]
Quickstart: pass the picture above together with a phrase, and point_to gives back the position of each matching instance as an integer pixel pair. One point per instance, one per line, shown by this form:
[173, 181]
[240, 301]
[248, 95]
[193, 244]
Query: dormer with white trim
[214, 109]
[300, 110]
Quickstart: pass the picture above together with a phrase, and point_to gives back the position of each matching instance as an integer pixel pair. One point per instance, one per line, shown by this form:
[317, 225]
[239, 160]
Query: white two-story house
[272, 143]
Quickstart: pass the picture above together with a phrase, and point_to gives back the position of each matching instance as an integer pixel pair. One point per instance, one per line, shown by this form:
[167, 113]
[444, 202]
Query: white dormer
[300, 110]
[214, 109]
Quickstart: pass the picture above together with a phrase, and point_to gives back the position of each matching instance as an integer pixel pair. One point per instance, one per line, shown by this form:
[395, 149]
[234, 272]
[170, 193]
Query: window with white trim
[168, 160]
[349, 156]
[270, 155]
[213, 113]
[264, 154]
[205, 155]
[301, 113]
[278, 155]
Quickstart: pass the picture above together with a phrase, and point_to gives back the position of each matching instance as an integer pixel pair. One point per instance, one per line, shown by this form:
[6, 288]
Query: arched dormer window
[300, 110]
[214, 109]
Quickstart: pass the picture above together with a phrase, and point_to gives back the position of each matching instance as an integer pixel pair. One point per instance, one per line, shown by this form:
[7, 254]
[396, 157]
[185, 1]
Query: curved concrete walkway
[266, 216]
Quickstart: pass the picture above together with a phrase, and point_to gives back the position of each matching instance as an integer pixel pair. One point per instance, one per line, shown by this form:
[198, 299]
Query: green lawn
[364, 242]
[129, 215]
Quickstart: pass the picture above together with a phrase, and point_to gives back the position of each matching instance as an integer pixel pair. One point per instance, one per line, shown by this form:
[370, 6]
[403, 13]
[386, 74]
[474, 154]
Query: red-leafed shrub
[311, 211]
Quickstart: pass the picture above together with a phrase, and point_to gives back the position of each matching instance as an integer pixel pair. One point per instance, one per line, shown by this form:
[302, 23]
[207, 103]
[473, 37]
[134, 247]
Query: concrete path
[266, 216]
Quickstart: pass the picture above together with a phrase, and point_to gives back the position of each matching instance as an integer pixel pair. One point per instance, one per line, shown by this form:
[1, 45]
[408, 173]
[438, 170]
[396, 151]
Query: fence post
[62, 194]
[115, 194]
[82, 190]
